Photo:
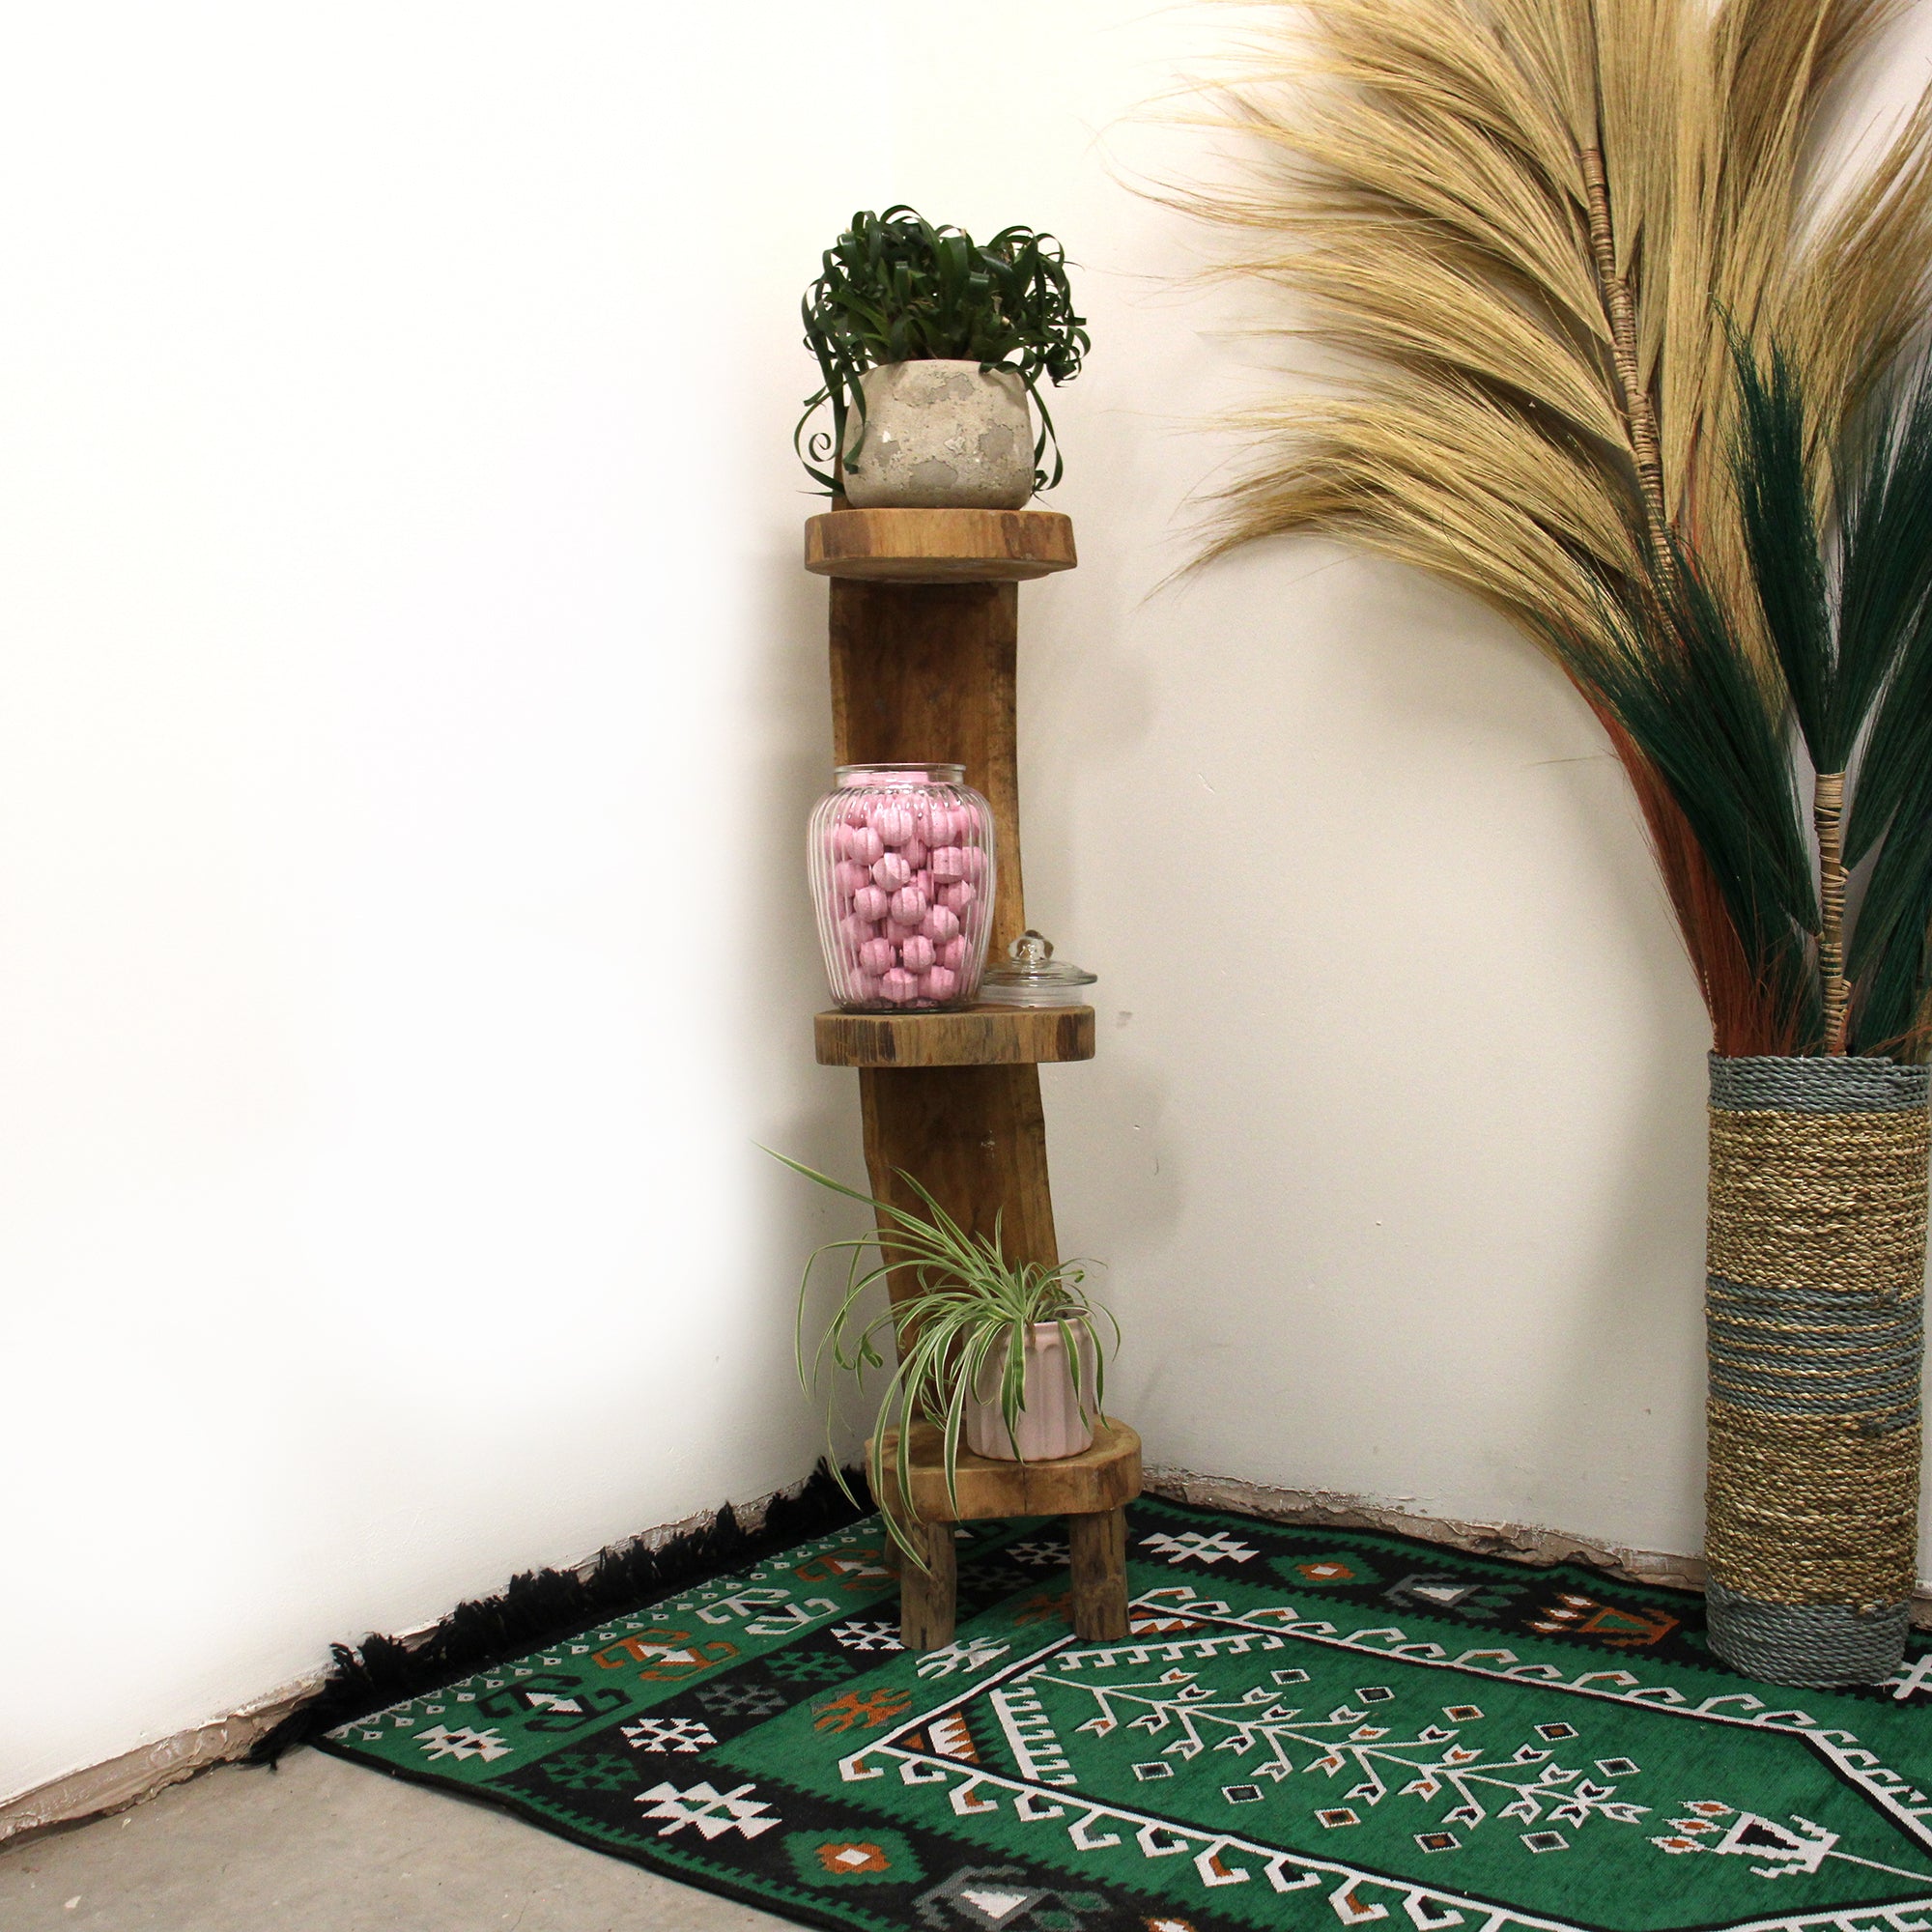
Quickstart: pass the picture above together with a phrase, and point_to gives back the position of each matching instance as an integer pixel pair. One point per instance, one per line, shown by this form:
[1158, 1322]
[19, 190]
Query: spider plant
[895, 288]
[958, 1306]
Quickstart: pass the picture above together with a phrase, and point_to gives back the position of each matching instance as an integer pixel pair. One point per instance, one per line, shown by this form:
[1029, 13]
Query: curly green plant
[895, 288]
[959, 1309]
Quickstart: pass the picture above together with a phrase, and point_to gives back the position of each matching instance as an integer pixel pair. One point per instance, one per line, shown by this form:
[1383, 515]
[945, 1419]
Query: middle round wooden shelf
[971, 1037]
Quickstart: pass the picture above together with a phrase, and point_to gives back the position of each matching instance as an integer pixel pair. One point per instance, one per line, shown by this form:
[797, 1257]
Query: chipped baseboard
[1519, 1542]
[137, 1775]
[101, 1789]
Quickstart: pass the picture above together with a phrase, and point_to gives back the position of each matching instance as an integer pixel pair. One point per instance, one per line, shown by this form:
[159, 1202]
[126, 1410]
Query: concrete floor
[324, 1846]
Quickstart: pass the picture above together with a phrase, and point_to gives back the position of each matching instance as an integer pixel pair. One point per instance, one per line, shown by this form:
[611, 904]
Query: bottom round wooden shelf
[971, 1037]
[1102, 1477]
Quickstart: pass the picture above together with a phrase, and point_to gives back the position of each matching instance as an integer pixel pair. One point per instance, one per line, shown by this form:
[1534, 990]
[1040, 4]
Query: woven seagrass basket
[1816, 1261]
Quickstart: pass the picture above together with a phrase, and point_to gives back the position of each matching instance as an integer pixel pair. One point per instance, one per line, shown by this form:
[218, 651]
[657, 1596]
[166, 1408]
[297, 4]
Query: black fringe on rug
[541, 1605]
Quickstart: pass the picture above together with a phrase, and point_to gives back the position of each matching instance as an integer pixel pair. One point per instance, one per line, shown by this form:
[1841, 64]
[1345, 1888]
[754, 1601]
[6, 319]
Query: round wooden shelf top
[1102, 1477]
[967, 1036]
[939, 546]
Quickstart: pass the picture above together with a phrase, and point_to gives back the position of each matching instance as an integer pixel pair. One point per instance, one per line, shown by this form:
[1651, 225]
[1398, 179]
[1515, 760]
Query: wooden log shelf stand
[924, 643]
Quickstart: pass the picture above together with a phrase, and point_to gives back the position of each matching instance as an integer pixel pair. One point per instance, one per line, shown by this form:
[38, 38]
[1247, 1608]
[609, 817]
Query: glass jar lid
[1034, 977]
[903, 771]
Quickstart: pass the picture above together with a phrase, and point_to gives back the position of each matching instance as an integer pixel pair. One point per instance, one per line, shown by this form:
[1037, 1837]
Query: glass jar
[902, 877]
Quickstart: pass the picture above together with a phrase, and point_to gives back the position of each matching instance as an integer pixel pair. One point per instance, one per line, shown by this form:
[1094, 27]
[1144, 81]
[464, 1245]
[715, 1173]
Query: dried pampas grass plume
[1546, 232]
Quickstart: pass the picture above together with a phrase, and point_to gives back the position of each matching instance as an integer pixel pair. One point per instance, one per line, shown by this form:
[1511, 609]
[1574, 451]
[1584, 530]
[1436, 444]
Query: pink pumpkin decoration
[947, 864]
[878, 955]
[952, 955]
[861, 845]
[916, 953]
[892, 873]
[870, 903]
[956, 898]
[850, 877]
[892, 821]
[940, 983]
[898, 986]
[908, 905]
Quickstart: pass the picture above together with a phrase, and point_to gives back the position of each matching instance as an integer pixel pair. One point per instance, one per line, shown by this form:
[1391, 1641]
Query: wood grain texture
[925, 673]
[976, 1138]
[1104, 1477]
[974, 1037]
[939, 546]
[928, 1596]
[1097, 1544]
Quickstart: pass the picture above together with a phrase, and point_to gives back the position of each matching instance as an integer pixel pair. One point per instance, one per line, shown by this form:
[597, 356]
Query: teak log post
[926, 672]
[924, 636]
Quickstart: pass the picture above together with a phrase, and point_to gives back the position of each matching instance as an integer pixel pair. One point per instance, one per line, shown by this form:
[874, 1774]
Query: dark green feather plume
[1849, 616]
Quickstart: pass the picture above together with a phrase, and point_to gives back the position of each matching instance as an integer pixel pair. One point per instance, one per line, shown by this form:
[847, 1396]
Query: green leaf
[1774, 480]
[958, 1301]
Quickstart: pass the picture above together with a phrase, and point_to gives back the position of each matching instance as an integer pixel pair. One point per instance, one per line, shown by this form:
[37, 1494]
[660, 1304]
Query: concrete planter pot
[1053, 1420]
[939, 436]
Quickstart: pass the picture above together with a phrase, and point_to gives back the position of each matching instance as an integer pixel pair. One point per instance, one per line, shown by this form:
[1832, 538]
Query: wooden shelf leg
[1099, 1546]
[927, 1597]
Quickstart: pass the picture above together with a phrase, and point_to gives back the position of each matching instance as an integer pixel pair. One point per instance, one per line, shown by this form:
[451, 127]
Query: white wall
[410, 701]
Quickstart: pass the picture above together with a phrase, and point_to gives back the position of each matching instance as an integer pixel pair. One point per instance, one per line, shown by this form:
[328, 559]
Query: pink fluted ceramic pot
[1054, 1420]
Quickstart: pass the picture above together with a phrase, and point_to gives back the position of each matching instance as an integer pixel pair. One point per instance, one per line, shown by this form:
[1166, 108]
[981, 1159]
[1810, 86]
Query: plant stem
[1828, 811]
[1639, 412]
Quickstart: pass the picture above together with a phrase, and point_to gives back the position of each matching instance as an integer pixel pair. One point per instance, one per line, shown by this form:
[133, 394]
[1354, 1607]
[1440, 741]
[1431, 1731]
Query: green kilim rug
[1307, 1728]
